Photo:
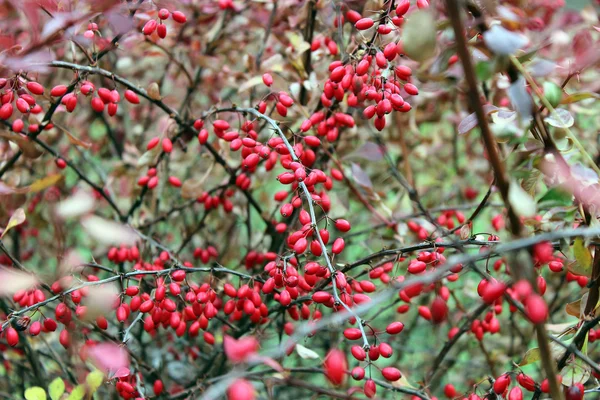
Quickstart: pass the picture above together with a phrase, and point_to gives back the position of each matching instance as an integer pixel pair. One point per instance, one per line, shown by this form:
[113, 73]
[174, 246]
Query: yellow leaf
[43, 183]
[532, 355]
[17, 218]
[94, 380]
[402, 382]
[582, 254]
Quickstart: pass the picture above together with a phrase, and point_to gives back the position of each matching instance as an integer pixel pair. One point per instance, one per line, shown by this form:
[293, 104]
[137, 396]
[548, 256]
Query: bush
[279, 199]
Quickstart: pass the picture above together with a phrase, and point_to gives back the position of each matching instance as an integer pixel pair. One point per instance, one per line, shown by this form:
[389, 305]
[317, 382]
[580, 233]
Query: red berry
[267, 79]
[58, 91]
[149, 27]
[35, 88]
[12, 337]
[335, 366]
[391, 374]
[178, 16]
[167, 145]
[364, 24]
[536, 309]
[132, 97]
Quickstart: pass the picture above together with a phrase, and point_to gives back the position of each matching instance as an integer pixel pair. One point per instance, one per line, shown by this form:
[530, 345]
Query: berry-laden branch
[313, 218]
[522, 270]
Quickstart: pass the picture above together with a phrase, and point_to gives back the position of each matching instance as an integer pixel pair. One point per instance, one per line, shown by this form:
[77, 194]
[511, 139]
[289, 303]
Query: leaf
[574, 308]
[402, 382]
[532, 355]
[75, 141]
[28, 147]
[553, 93]
[153, 91]
[522, 203]
[121, 373]
[250, 83]
[76, 205]
[148, 157]
[297, 41]
[17, 218]
[575, 372]
[35, 393]
[77, 393]
[483, 70]
[361, 177]
[94, 379]
[44, 183]
[582, 255]
[575, 97]
[108, 232]
[561, 329]
[557, 196]
[502, 41]
[520, 98]
[306, 353]
[368, 151]
[192, 188]
[109, 357]
[562, 119]
[13, 280]
[470, 121]
[6, 190]
[56, 388]
[419, 36]
[540, 67]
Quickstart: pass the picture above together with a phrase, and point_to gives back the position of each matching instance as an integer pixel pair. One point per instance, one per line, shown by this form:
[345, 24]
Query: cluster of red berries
[205, 255]
[159, 26]
[501, 384]
[20, 92]
[123, 254]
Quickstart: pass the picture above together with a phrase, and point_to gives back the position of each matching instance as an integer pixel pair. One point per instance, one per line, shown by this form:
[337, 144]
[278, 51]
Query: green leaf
[94, 380]
[557, 196]
[419, 36]
[483, 70]
[35, 393]
[582, 254]
[56, 388]
[532, 355]
[576, 372]
[77, 393]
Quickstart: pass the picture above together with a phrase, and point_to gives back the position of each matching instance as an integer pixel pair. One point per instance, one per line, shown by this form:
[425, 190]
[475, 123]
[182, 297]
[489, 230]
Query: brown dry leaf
[191, 188]
[574, 308]
[153, 91]
[73, 139]
[27, 147]
[17, 218]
